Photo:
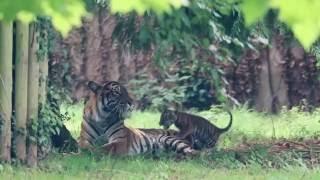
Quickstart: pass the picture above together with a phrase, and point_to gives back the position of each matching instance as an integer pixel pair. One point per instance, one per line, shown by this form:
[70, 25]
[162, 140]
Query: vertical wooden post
[21, 88]
[44, 68]
[6, 38]
[33, 92]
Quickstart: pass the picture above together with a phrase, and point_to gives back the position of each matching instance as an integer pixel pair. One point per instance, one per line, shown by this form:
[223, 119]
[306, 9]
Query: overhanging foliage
[64, 14]
[301, 16]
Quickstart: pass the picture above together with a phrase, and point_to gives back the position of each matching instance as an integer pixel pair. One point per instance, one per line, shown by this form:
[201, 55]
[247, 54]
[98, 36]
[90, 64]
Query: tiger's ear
[93, 86]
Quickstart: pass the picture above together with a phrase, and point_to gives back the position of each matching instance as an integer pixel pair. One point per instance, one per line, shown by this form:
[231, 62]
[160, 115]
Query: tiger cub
[198, 131]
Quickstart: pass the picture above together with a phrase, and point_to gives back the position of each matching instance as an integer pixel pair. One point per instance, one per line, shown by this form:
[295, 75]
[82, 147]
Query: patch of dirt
[289, 150]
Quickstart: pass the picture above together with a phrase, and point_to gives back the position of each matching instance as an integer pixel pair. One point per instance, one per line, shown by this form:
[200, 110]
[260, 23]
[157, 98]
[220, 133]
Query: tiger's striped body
[103, 126]
[195, 129]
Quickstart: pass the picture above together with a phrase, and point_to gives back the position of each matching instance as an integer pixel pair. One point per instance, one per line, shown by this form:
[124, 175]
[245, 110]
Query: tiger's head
[168, 117]
[112, 98]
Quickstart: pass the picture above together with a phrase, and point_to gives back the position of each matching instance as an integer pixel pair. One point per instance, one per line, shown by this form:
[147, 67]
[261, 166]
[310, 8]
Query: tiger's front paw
[191, 153]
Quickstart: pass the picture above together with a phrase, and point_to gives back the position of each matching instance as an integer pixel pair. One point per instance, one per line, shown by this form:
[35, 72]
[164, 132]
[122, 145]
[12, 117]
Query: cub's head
[112, 98]
[168, 117]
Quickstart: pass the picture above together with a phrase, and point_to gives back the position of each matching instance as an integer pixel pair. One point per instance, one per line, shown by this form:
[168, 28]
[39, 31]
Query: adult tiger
[103, 121]
[195, 129]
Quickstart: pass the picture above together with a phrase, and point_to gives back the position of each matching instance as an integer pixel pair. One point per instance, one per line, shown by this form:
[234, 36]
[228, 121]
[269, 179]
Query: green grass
[87, 166]
[248, 126]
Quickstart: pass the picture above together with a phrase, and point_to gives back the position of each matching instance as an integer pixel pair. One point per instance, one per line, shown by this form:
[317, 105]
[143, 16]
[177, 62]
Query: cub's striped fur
[103, 125]
[195, 129]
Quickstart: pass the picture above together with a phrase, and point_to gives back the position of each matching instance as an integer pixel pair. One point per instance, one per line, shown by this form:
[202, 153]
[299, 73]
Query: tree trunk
[6, 38]
[279, 86]
[21, 86]
[263, 101]
[33, 92]
[273, 90]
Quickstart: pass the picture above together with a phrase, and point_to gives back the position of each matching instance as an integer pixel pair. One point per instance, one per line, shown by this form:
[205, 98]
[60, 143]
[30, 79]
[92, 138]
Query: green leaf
[306, 32]
[26, 17]
[253, 10]
[303, 17]
[124, 6]
[65, 14]
[140, 6]
[65, 17]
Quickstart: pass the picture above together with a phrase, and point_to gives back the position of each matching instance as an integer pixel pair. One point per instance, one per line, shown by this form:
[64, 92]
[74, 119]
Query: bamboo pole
[21, 86]
[44, 69]
[33, 92]
[6, 38]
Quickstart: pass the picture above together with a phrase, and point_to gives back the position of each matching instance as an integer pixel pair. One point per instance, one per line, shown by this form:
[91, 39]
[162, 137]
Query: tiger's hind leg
[197, 144]
[207, 151]
[194, 142]
[209, 147]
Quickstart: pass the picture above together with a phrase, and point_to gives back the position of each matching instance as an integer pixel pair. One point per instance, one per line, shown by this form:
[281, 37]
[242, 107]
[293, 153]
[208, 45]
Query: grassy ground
[88, 167]
[248, 127]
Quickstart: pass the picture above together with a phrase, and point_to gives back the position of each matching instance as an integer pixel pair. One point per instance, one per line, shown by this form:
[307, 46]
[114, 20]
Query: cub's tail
[229, 125]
